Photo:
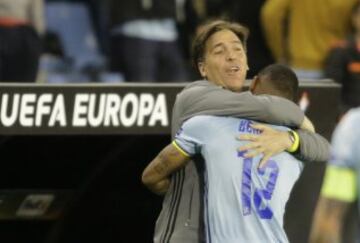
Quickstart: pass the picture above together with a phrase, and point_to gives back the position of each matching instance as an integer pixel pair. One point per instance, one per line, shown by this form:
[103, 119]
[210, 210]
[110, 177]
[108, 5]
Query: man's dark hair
[210, 28]
[282, 78]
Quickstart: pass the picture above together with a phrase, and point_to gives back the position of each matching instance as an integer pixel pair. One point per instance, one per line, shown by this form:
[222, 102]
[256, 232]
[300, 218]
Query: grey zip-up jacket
[180, 220]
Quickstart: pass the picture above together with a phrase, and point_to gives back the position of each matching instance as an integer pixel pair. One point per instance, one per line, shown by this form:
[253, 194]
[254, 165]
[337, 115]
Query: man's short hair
[282, 79]
[210, 28]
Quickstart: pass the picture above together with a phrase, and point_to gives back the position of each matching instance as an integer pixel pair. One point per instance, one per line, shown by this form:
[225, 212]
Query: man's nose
[230, 55]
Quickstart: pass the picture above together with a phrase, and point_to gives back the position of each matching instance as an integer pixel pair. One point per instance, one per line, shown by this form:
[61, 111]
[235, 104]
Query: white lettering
[129, 100]
[27, 110]
[145, 107]
[160, 112]
[6, 120]
[80, 110]
[112, 110]
[42, 108]
[58, 113]
[96, 120]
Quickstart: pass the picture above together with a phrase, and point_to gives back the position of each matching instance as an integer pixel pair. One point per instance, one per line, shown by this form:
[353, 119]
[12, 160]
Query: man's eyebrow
[237, 42]
[217, 45]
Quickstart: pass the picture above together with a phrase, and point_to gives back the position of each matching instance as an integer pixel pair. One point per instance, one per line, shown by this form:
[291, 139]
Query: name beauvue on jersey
[83, 110]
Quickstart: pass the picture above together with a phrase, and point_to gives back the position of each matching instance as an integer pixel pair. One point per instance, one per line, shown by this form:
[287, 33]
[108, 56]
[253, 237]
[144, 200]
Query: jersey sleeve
[340, 180]
[313, 147]
[188, 139]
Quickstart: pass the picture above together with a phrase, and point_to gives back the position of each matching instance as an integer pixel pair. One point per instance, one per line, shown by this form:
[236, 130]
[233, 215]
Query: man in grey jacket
[219, 55]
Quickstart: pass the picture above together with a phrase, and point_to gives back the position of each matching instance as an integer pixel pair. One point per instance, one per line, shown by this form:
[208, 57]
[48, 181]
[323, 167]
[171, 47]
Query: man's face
[225, 61]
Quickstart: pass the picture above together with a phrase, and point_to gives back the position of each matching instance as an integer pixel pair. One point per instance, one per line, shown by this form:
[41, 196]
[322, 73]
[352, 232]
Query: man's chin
[236, 87]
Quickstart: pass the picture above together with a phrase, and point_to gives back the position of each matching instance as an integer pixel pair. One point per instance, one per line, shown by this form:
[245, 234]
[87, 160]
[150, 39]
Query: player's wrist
[294, 141]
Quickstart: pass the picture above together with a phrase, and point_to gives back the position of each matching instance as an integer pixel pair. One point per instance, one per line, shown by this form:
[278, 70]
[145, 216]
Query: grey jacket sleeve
[209, 99]
[313, 147]
[202, 98]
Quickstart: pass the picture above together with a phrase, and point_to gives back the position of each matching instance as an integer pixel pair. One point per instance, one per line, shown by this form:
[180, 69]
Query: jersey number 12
[258, 195]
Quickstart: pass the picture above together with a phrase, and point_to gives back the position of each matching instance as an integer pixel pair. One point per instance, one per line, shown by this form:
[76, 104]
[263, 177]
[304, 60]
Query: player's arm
[302, 143]
[312, 147]
[156, 174]
[307, 125]
[328, 218]
[337, 194]
[272, 141]
[305, 145]
[210, 99]
[269, 143]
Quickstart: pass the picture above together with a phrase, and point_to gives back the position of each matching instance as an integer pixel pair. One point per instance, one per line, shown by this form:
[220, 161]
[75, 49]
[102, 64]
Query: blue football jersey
[242, 203]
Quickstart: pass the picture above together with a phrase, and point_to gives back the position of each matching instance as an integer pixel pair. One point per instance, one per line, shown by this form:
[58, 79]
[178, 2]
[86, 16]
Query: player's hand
[270, 142]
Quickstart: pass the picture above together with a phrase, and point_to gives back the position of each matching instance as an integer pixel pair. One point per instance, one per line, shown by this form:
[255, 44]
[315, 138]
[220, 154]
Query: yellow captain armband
[180, 149]
[340, 184]
[295, 140]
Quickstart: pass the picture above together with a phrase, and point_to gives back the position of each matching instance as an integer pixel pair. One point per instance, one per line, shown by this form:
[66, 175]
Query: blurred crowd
[63, 41]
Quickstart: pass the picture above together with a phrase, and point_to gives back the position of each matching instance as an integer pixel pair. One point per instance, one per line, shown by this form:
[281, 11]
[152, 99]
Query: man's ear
[254, 83]
[202, 69]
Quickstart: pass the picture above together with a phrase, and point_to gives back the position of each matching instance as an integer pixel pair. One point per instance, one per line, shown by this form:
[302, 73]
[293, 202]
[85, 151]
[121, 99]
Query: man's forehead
[223, 37]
